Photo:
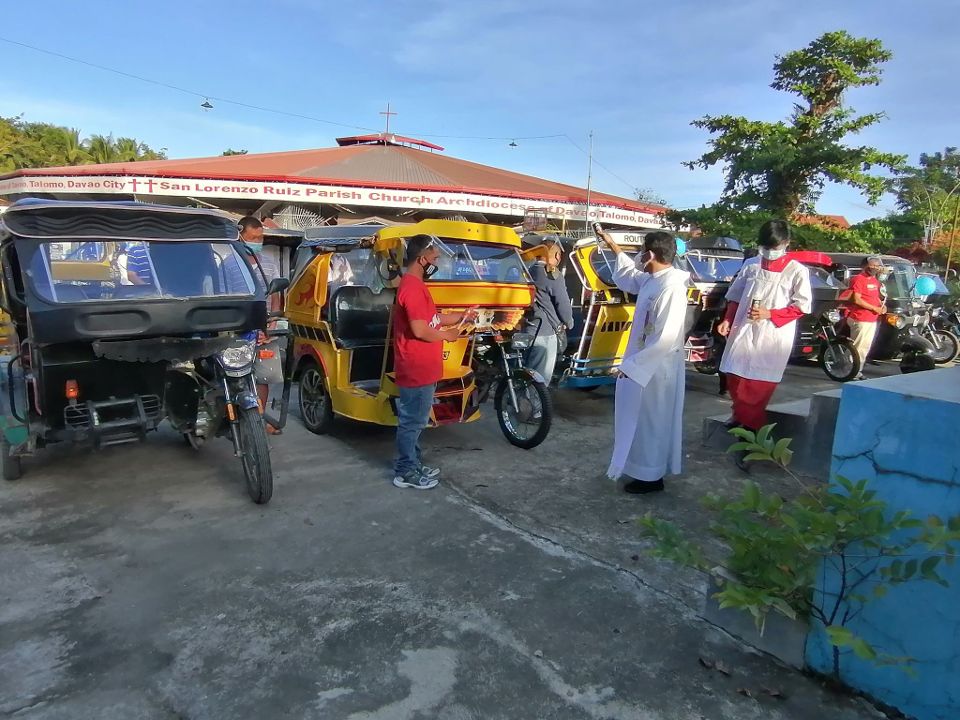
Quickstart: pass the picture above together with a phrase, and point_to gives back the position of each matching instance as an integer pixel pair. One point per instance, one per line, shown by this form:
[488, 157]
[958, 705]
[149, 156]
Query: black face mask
[429, 270]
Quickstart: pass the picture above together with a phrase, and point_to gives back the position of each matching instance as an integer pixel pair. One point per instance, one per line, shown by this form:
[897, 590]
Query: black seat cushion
[360, 317]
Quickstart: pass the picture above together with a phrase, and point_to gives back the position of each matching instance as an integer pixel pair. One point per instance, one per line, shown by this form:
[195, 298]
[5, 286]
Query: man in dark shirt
[552, 312]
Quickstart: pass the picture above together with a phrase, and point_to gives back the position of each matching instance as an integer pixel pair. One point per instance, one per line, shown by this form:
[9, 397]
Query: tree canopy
[781, 167]
[931, 192]
[36, 145]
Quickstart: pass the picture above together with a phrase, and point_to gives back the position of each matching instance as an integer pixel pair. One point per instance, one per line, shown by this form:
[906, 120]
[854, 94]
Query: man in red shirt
[418, 337]
[866, 306]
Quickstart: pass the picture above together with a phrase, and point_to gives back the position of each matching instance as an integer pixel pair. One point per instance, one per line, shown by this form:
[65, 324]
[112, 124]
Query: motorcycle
[216, 396]
[521, 399]
[837, 357]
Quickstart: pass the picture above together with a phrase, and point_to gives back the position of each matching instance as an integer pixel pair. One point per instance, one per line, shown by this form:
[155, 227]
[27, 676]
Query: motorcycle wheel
[526, 426]
[12, 469]
[316, 407]
[946, 346]
[840, 360]
[255, 455]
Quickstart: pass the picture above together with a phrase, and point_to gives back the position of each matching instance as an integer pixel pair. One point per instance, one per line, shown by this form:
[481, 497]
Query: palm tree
[127, 149]
[73, 150]
[102, 149]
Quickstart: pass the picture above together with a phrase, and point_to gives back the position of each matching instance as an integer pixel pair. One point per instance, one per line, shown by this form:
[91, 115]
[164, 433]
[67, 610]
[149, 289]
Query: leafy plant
[782, 167]
[778, 546]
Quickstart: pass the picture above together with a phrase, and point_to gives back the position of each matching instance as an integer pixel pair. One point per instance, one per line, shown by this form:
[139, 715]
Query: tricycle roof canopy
[337, 235]
[49, 219]
[456, 230]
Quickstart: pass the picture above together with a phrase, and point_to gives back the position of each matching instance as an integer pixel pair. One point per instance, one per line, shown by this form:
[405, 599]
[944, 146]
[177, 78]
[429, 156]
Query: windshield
[942, 289]
[95, 271]
[478, 262]
[902, 278]
[603, 260]
[821, 277]
[713, 266]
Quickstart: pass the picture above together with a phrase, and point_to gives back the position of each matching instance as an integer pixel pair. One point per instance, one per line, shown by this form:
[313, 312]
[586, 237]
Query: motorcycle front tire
[844, 346]
[501, 403]
[947, 347]
[255, 455]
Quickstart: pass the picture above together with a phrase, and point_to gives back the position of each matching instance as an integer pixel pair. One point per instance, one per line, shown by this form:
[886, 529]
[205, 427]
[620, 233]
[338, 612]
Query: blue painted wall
[902, 434]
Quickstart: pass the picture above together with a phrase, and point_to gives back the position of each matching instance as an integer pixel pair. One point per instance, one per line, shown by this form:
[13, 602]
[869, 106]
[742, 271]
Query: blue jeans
[542, 354]
[413, 414]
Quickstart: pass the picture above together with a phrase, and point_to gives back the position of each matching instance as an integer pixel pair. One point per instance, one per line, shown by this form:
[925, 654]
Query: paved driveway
[141, 583]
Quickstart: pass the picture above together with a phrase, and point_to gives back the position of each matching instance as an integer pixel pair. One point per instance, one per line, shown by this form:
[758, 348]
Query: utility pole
[953, 236]
[586, 219]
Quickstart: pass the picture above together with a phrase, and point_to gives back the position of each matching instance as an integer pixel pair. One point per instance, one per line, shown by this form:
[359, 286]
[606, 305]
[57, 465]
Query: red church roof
[830, 222]
[380, 165]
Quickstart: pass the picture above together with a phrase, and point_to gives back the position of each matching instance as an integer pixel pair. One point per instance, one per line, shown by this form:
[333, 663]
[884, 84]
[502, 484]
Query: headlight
[897, 321]
[833, 316]
[521, 340]
[238, 359]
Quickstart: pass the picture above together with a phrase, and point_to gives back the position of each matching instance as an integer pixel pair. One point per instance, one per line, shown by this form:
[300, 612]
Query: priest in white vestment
[648, 414]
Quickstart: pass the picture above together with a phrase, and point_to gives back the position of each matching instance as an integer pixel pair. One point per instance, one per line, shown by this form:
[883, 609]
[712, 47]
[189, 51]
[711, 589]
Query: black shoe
[640, 487]
[740, 460]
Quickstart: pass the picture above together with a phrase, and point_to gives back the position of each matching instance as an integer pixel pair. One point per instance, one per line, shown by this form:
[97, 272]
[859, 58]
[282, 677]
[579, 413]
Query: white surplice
[760, 350]
[648, 413]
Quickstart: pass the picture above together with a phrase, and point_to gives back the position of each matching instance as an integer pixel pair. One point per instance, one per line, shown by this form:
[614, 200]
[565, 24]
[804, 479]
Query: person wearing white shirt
[648, 406]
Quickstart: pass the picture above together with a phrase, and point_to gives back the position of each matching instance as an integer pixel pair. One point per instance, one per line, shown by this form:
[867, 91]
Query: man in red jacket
[866, 306]
[418, 337]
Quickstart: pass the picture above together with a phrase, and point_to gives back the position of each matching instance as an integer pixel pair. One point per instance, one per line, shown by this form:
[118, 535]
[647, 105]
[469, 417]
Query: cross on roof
[388, 114]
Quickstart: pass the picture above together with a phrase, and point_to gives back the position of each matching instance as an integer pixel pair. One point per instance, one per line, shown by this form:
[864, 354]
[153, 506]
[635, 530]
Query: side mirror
[278, 285]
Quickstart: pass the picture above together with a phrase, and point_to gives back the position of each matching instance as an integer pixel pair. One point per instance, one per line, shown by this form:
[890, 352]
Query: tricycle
[126, 315]
[340, 308]
[712, 263]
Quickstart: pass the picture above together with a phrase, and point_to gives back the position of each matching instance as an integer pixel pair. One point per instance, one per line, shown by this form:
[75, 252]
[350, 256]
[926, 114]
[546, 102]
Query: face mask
[643, 260]
[884, 276]
[429, 270]
[256, 247]
[773, 253]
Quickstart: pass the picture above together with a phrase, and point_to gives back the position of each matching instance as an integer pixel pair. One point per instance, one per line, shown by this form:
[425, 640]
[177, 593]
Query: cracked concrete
[141, 583]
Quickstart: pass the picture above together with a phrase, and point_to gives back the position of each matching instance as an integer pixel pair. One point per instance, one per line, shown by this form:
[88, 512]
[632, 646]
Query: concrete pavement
[141, 583]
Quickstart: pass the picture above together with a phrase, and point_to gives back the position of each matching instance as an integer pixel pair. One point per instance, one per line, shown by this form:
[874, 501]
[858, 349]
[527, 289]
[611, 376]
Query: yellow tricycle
[340, 309]
[603, 314]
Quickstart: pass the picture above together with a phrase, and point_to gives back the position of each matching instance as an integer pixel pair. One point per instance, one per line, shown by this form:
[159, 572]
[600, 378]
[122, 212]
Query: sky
[634, 72]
